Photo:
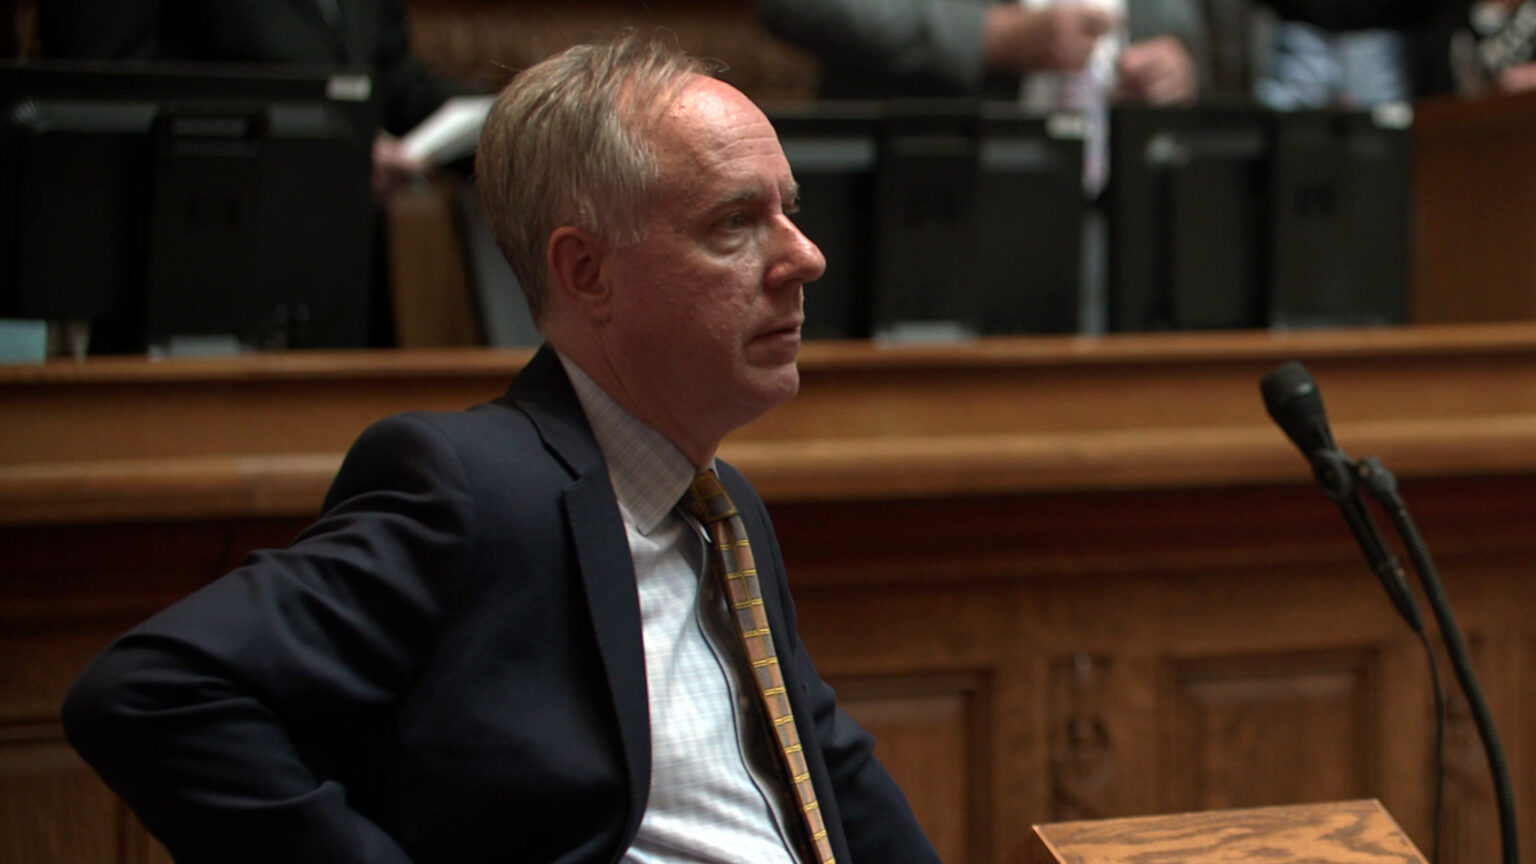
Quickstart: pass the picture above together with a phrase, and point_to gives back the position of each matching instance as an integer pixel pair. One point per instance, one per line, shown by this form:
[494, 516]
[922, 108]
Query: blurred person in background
[1455, 46]
[1154, 50]
[362, 34]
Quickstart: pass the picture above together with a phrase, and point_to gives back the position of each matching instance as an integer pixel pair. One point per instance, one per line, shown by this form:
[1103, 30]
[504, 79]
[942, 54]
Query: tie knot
[707, 499]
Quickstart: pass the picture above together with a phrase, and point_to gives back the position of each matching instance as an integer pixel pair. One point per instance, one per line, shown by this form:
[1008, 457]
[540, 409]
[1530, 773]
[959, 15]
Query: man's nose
[802, 261]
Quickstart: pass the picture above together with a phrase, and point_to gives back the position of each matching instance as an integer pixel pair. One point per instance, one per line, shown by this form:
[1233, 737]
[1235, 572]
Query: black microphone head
[1292, 399]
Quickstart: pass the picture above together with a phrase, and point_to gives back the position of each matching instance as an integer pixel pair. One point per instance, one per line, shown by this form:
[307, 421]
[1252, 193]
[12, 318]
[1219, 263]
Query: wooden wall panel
[1170, 664]
[1475, 197]
[1087, 751]
[52, 808]
[931, 733]
[1272, 729]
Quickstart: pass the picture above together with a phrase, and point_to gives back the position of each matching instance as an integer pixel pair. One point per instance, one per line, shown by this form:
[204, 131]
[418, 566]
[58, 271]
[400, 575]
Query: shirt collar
[649, 473]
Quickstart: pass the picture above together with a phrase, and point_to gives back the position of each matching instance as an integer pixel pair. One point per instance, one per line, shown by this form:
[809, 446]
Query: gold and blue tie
[731, 559]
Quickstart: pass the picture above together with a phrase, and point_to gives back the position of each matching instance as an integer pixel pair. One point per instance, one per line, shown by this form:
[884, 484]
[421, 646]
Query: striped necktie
[731, 559]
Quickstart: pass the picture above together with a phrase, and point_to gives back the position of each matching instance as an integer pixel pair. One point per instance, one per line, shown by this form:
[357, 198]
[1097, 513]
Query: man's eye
[734, 221]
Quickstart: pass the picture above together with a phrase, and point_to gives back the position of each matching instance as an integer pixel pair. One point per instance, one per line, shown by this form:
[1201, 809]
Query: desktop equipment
[978, 213]
[832, 149]
[1237, 216]
[177, 207]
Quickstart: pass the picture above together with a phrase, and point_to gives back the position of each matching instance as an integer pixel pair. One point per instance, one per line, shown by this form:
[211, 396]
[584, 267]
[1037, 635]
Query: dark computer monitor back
[831, 147]
[1341, 208]
[979, 215]
[170, 202]
[1029, 221]
[1238, 217]
[1188, 201]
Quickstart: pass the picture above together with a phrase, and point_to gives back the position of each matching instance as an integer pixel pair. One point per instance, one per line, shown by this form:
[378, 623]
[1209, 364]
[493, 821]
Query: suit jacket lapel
[608, 574]
[544, 393]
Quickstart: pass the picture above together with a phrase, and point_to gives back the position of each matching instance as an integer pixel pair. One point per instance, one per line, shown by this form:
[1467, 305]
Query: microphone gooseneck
[1293, 400]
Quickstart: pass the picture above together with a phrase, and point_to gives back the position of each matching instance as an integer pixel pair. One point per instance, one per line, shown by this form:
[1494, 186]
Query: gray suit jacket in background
[873, 49]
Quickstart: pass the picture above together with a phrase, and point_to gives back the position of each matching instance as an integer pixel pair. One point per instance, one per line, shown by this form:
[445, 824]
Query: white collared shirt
[714, 792]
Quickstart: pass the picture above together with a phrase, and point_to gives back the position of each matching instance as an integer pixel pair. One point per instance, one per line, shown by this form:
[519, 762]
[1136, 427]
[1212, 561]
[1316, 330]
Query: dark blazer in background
[368, 34]
[446, 667]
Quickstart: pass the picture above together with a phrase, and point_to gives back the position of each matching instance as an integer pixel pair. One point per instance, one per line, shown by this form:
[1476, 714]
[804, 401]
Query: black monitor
[1236, 216]
[832, 149]
[1187, 198]
[979, 214]
[173, 205]
[1341, 209]
[938, 218]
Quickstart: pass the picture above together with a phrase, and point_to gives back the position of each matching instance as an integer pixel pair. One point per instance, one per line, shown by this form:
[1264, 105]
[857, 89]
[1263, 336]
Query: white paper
[450, 132]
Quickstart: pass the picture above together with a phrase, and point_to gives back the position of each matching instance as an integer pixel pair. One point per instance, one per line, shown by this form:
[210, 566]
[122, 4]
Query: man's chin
[776, 385]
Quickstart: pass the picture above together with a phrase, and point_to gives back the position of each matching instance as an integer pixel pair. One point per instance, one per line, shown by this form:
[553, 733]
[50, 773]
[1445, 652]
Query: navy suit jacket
[446, 667]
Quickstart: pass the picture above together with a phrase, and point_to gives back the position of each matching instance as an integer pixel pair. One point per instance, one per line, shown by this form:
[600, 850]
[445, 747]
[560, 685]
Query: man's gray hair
[568, 143]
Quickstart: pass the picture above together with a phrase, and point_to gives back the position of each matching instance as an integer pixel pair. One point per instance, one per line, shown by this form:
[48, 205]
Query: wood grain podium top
[1347, 832]
[257, 436]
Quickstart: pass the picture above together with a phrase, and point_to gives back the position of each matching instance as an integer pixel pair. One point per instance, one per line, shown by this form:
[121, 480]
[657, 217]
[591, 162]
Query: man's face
[706, 311]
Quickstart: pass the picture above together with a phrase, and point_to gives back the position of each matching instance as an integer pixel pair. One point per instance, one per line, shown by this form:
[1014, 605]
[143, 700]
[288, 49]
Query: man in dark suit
[370, 34]
[501, 640]
[363, 34]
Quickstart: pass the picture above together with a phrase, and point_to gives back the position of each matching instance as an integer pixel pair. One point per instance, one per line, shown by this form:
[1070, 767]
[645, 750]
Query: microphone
[1291, 397]
[1293, 401]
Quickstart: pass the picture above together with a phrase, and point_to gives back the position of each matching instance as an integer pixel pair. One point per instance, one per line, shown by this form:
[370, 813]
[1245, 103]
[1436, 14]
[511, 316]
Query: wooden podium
[1347, 832]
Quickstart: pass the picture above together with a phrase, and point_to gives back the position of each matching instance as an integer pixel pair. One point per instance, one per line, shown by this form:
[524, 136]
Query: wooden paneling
[52, 808]
[1058, 579]
[1230, 736]
[1475, 195]
[932, 734]
[429, 286]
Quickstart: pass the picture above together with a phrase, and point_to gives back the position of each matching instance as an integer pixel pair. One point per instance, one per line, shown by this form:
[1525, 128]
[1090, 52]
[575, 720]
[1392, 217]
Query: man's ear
[574, 257]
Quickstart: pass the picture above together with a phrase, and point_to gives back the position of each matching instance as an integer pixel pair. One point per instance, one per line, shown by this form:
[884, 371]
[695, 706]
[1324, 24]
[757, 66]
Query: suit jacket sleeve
[924, 42]
[1183, 19]
[213, 719]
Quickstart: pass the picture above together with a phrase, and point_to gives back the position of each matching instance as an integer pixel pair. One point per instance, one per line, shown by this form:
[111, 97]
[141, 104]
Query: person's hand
[1158, 71]
[1518, 78]
[1060, 37]
[393, 169]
